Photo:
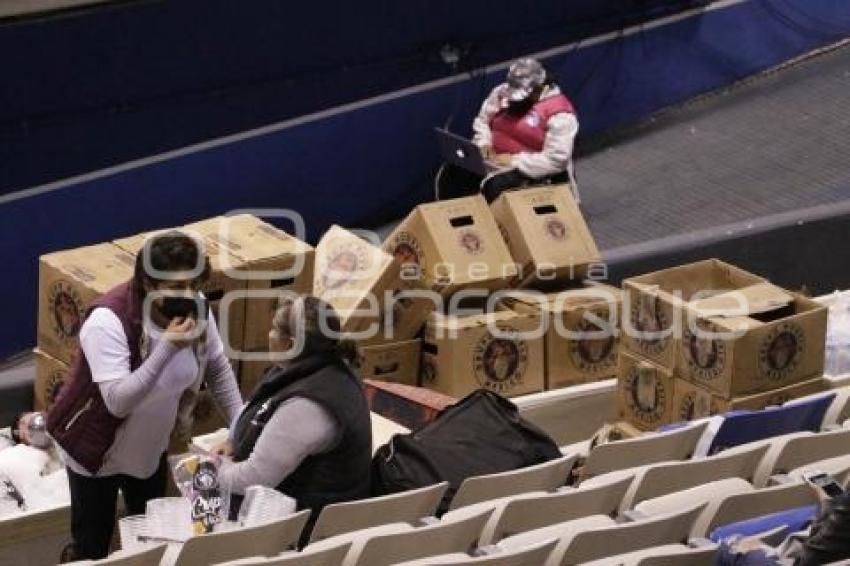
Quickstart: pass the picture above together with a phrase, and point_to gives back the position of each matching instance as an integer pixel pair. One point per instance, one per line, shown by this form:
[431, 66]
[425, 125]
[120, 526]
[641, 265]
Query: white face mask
[37, 431]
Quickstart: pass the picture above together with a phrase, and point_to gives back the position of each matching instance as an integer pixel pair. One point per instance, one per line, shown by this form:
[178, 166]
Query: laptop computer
[462, 152]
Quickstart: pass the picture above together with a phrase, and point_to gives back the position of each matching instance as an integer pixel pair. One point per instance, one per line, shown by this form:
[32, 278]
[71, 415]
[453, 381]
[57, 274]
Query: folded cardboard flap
[752, 300]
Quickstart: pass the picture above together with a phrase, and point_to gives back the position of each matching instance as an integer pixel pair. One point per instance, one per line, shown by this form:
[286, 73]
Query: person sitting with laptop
[527, 126]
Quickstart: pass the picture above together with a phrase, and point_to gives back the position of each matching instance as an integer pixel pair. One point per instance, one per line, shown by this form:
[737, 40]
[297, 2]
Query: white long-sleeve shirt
[148, 398]
[561, 131]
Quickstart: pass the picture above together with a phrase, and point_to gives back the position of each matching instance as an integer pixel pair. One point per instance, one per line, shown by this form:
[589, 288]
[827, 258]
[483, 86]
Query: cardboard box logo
[647, 314]
[593, 355]
[705, 356]
[693, 405]
[500, 363]
[556, 229]
[781, 350]
[66, 309]
[646, 395]
[347, 262]
[408, 251]
[470, 241]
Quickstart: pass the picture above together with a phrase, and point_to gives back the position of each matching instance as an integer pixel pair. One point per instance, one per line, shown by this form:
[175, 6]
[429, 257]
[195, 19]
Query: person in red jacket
[528, 126]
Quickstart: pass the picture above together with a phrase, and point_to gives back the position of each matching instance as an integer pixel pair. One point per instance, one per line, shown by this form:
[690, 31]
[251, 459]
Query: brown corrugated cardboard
[353, 275]
[546, 233]
[397, 362]
[653, 303]
[276, 262]
[452, 245]
[581, 332]
[756, 356]
[695, 402]
[68, 281]
[645, 392]
[461, 354]
[50, 374]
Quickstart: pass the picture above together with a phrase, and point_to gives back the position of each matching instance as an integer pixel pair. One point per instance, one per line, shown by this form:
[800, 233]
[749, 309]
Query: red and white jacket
[541, 141]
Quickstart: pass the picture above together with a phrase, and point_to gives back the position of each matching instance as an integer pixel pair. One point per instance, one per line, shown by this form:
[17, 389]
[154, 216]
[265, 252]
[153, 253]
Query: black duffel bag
[481, 434]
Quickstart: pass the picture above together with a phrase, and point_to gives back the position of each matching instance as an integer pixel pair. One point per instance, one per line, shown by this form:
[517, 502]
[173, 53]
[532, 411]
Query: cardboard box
[546, 234]
[397, 362]
[461, 354]
[653, 304]
[218, 283]
[695, 402]
[353, 275]
[50, 375]
[452, 245]
[412, 407]
[645, 393]
[276, 262]
[68, 282]
[581, 340]
[778, 341]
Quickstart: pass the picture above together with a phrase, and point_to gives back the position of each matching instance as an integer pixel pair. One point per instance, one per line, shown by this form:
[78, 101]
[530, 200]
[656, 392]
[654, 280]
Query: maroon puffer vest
[79, 420]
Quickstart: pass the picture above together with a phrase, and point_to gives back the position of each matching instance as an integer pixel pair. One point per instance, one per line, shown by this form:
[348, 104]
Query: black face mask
[521, 107]
[181, 307]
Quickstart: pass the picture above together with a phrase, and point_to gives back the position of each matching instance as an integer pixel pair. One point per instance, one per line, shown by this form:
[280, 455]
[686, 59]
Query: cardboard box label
[500, 363]
[409, 253]
[781, 351]
[50, 375]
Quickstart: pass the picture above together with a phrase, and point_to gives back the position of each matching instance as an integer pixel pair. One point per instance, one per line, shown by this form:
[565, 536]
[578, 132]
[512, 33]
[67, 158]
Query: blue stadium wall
[353, 164]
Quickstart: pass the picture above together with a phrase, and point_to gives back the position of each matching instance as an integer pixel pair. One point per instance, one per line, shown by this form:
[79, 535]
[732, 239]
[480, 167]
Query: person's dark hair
[315, 322]
[15, 428]
[170, 251]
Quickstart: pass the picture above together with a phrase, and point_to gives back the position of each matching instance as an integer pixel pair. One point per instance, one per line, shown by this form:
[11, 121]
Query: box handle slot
[545, 209]
[428, 348]
[386, 369]
[461, 221]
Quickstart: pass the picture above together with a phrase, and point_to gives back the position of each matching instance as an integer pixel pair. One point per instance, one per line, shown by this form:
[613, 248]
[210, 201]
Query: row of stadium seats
[654, 499]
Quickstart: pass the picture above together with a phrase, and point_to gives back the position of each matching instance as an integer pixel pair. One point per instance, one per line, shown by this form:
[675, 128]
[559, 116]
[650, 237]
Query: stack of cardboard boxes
[708, 337]
[68, 282]
[449, 256]
[247, 255]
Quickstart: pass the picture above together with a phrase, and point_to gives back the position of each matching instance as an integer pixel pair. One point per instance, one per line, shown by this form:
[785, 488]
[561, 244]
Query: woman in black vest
[306, 429]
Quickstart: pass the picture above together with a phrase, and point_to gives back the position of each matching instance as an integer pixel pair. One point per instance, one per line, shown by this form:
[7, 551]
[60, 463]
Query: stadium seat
[707, 493]
[541, 477]
[140, 557]
[839, 467]
[268, 539]
[665, 555]
[599, 536]
[757, 503]
[741, 427]
[399, 542]
[331, 556]
[533, 511]
[405, 507]
[796, 451]
[656, 480]
[771, 529]
[678, 444]
[839, 409]
[532, 555]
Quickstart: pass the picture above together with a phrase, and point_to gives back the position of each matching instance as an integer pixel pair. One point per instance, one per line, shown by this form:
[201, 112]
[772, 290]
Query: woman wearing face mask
[142, 346]
[526, 127]
[306, 429]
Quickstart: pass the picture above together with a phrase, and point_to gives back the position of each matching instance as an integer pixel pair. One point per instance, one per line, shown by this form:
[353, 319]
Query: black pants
[457, 182]
[93, 505]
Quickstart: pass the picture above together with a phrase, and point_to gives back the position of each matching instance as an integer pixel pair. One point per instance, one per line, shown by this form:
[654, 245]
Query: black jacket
[342, 473]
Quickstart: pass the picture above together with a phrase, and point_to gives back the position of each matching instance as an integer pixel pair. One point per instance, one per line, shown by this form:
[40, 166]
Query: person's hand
[222, 449]
[487, 152]
[502, 159]
[179, 330]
